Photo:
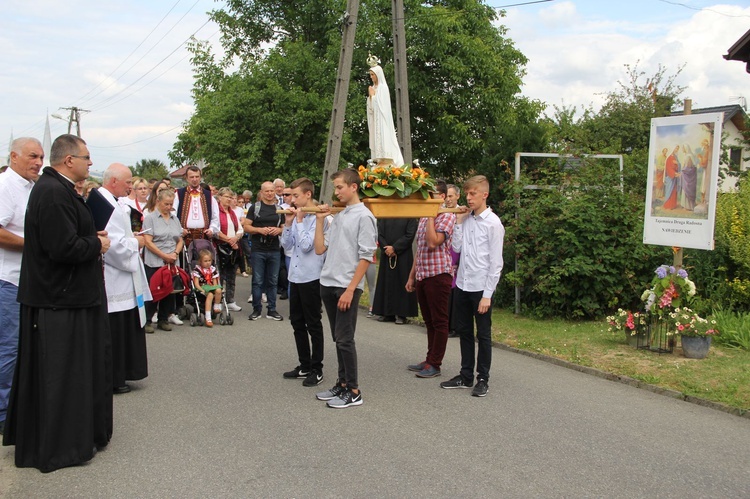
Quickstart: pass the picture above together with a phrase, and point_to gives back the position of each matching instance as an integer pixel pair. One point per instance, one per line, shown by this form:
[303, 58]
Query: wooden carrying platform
[387, 207]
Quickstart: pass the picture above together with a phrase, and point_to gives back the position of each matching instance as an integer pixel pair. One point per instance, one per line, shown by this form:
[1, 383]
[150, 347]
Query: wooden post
[335, 133]
[401, 81]
[677, 262]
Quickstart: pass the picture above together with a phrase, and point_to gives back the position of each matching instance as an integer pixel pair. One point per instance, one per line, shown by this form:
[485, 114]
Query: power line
[99, 104]
[144, 55]
[137, 141]
[131, 53]
[152, 80]
[142, 87]
[707, 9]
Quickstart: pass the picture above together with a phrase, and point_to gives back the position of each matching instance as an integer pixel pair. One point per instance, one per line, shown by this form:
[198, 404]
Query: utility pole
[401, 81]
[687, 109]
[333, 149]
[75, 116]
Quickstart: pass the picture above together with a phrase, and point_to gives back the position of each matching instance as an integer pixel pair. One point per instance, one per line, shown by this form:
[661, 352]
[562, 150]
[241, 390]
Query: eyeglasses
[87, 157]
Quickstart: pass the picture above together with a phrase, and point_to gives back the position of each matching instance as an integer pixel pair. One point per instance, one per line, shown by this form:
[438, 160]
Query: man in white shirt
[26, 158]
[478, 237]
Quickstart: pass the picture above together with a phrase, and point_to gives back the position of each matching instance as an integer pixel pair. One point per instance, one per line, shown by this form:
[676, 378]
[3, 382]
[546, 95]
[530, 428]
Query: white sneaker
[250, 300]
[244, 274]
[155, 318]
[234, 307]
[175, 320]
[265, 298]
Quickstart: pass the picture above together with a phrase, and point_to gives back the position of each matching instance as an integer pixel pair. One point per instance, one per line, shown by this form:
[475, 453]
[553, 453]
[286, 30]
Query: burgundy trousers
[433, 295]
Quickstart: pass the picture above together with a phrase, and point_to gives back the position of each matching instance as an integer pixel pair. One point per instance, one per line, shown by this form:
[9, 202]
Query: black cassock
[391, 297]
[60, 408]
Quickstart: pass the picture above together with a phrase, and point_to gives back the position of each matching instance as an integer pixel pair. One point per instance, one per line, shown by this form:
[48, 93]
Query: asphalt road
[216, 419]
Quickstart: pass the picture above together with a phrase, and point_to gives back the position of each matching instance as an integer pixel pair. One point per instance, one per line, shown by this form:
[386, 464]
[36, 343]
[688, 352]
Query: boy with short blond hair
[478, 237]
[349, 247]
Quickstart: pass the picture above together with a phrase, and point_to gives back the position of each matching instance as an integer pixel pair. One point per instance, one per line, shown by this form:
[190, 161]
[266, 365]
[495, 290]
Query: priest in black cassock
[392, 302]
[124, 279]
[60, 408]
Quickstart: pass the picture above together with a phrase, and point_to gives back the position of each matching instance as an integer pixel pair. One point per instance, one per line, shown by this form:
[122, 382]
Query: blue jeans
[10, 311]
[265, 277]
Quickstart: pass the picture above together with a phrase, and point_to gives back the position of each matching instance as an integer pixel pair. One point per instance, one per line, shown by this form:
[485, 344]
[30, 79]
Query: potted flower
[695, 332]
[670, 288]
[633, 324]
[391, 191]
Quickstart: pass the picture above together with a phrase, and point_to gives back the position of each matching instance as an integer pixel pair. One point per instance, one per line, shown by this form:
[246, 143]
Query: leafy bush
[723, 275]
[579, 243]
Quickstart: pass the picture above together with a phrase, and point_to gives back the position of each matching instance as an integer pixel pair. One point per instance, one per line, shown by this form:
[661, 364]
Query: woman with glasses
[138, 195]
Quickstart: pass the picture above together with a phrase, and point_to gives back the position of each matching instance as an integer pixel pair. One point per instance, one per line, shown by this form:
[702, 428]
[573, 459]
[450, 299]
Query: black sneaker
[313, 379]
[481, 389]
[456, 382]
[331, 393]
[255, 315]
[296, 373]
[346, 399]
[273, 314]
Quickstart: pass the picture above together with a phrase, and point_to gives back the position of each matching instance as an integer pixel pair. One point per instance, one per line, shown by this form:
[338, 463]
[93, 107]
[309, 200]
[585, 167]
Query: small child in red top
[206, 281]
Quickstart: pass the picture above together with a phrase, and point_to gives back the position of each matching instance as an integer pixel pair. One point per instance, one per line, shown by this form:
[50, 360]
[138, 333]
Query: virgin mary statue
[384, 147]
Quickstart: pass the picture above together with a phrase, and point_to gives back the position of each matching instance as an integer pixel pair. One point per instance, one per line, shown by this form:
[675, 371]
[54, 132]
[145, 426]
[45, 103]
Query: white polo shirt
[14, 196]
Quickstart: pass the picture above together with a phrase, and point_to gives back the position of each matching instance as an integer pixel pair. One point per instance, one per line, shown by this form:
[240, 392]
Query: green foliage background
[264, 109]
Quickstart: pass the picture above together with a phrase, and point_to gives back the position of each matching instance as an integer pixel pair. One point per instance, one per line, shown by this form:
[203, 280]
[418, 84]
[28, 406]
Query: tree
[270, 117]
[150, 168]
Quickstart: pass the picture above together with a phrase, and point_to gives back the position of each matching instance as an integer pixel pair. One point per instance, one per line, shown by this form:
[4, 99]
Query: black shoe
[283, 296]
[121, 389]
[274, 315]
[255, 315]
[456, 382]
[386, 318]
[314, 379]
[297, 373]
[453, 334]
[481, 389]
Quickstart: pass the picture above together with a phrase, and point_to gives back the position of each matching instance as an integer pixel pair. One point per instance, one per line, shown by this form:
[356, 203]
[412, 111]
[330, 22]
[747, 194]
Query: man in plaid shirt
[432, 273]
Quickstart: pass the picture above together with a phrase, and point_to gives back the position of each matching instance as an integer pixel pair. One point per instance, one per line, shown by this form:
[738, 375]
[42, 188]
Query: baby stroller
[195, 302]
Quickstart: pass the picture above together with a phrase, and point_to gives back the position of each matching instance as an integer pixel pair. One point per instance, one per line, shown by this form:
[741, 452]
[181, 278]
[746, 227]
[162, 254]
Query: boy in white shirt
[478, 237]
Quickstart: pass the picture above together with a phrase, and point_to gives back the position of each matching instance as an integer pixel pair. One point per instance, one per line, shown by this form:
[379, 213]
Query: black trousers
[466, 304]
[343, 325]
[306, 314]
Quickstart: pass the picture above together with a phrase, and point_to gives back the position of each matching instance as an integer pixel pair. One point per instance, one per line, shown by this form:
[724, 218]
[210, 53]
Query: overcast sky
[126, 61]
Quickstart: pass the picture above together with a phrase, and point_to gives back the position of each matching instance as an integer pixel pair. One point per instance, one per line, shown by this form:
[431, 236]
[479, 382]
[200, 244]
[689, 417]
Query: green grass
[724, 376]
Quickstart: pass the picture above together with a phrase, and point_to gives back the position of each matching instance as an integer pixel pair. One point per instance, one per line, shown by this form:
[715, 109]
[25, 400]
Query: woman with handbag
[163, 238]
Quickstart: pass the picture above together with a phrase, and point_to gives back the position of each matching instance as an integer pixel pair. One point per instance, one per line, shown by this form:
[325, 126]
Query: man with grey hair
[278, 186]
[125, 280]
[26, 159]
[60, 409]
